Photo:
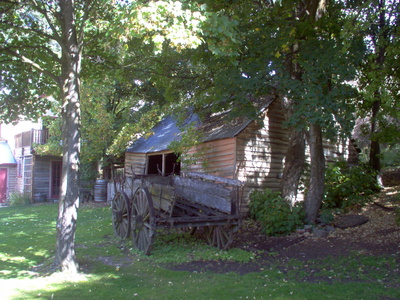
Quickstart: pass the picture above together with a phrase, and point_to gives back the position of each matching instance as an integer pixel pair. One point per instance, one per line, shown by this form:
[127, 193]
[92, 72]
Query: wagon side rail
[214, 178]
[219, 193]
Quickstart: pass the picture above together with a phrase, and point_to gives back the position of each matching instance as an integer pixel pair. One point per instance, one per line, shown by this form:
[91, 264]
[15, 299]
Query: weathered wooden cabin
[249, 150]
[38, 176]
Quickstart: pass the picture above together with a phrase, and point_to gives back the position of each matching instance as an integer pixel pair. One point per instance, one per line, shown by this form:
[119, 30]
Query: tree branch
[47, 49]
[30, 62]
[6, 9]
[87, 9]
[43, 11]
[25, 29]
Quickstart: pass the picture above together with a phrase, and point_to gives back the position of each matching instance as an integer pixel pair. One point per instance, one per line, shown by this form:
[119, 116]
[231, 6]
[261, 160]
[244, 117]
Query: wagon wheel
[220, 236]
[120, 215]
[143, 220]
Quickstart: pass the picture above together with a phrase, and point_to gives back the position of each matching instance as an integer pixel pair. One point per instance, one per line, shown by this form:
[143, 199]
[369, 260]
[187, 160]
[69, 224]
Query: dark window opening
[160, 164]
[172, 165]
[56, 169]
[154, 164]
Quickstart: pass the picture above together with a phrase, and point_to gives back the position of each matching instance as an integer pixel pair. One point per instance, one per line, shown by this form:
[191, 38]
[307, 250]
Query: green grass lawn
[110, 270]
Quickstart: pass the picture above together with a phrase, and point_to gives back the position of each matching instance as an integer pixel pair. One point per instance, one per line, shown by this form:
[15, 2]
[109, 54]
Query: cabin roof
[214, 127]
[162, 134]
[6, 156]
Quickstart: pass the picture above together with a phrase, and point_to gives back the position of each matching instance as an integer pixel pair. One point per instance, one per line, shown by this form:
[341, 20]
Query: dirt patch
[375, 234]
[391, 177]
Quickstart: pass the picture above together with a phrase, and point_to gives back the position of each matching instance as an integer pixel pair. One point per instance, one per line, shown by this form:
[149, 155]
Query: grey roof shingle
[165, 132]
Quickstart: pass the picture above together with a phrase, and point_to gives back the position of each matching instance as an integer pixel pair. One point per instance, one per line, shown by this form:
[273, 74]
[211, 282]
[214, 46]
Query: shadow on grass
[146, 281]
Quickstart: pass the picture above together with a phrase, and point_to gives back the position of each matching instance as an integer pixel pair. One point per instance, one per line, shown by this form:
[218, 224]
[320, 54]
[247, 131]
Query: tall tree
[71, 60]
[379, 76]
[41, 54]
[315, 63]
[307, 13]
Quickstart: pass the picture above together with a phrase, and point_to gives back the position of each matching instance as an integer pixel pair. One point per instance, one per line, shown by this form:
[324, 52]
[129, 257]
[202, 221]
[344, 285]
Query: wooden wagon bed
[190, 201]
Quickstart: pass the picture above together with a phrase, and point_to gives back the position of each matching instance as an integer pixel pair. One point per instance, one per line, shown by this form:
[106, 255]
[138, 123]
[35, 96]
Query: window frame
[164, 167]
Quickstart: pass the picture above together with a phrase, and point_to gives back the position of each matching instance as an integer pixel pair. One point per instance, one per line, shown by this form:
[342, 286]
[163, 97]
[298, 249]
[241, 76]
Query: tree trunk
[375, 149]
[294, 164]
[380, 41]
[317, 172]
[70, 86]
[295, 155]
[374, 154]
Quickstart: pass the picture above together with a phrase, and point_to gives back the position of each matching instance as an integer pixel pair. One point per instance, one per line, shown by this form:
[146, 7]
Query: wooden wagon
[145, 203]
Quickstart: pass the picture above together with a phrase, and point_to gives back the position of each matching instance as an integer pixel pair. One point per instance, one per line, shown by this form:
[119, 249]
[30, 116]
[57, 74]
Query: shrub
[391, 156]
[18, 198]
[347, 187]
[274, 213]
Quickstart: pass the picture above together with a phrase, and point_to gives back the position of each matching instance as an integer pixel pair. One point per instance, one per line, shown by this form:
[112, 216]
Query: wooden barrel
[100, 190]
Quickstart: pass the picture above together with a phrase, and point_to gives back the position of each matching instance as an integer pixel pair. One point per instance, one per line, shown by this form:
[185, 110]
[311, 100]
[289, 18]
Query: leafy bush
[19, 199]
[348, 186]
[391, 156]
[327, 215]
[274, 213]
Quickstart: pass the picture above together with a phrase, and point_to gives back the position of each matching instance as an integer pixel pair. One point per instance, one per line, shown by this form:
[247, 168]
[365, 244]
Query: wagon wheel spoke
[143, 221]
[144, 240]
[120, 215]
[146, 219]
[134, 208]
[220, 236]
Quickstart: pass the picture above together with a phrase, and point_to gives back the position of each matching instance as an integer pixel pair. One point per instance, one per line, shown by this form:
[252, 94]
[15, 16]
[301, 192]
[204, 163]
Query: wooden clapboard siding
[41, 176]
[41, 179]
[335, 151]
[135, 162]
[21, 184]
[260, 153]
[218, 158]
[12, 179]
